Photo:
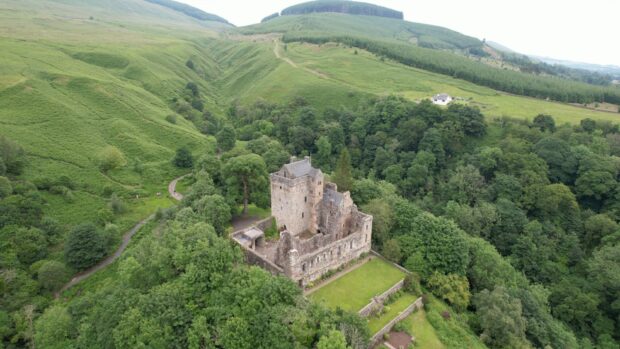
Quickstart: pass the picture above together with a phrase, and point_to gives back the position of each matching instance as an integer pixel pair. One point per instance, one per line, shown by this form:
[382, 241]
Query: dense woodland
[527, 65]
[538, 86]
[508, 215]
[349, 7]
[512, 215]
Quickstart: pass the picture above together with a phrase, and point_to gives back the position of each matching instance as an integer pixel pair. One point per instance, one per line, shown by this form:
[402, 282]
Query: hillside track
[83, 275]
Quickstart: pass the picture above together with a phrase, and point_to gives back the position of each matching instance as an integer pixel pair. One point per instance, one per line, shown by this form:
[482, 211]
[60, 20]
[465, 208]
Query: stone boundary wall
[378, 337]
[254, 258]
[399, 267]
[377, 301]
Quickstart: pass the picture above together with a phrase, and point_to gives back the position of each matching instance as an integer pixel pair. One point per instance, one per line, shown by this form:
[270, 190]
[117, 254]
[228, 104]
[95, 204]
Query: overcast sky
[585, 31]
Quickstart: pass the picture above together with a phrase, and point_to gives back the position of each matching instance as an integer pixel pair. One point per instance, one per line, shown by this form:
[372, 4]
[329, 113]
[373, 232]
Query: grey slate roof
[332, 196]
[300, 168]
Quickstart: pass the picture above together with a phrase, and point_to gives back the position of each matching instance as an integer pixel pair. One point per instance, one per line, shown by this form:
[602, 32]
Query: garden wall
[378, 337]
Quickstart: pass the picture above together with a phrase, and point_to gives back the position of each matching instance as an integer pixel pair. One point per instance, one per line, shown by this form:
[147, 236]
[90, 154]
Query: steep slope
[77, 76]
[394, 30]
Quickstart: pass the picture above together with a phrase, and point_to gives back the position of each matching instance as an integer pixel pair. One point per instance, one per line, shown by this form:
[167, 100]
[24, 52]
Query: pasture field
[355, 289]
[363, 72]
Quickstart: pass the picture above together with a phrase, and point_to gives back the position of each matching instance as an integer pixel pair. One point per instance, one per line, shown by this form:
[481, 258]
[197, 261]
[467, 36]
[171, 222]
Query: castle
[320, 229]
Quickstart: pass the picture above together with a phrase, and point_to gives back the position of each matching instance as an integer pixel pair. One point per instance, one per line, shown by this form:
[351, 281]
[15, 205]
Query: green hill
[189, 10]
[77, 76]
[349, 7]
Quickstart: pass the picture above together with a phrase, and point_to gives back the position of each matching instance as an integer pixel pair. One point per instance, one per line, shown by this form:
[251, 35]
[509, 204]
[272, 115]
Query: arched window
[302, 215]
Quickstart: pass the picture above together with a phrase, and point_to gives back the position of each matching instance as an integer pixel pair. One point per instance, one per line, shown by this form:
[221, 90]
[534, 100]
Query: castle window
[303, 267]
[365, 238]
[302, 215]
[351, 246]
[305, 199]
[366, 226]
[280, 187]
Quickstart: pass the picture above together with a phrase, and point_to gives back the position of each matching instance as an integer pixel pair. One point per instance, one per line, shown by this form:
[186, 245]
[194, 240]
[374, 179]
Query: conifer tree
[342, 176]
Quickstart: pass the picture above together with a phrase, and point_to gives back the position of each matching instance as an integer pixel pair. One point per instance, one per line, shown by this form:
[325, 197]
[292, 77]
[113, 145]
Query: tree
[52, 275]
[111, 158]
[215, 210]
[391, 251]
[452, 288]
[559, 157]
[226, 138]
[343, 175]
[544, 122]
[588, 125]
[183, 158]
[12, 156]
[85, 246]
[501, 319]
[53, 329]
[246, 176]
[595, 184]
[433, 143]
[332, 340]
[324, 152]
[5, 187]
[30, 243]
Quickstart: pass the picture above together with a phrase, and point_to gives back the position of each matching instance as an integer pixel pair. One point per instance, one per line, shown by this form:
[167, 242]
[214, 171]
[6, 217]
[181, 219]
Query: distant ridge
[189, 10]
[339, 6]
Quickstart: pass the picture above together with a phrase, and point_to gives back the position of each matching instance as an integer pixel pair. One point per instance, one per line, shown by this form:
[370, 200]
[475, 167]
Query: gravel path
[79, 277]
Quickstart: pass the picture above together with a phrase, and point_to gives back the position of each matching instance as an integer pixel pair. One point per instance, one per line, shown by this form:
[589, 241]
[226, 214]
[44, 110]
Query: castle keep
[320, 228]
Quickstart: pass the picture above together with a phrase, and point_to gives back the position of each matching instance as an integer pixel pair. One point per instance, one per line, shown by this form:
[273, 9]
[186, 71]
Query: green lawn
[355, 289]
[392, 310]
[424, 333]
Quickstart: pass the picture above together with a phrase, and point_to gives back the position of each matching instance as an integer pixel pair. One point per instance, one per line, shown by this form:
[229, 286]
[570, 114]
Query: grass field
[392, 310]
[424, 333]
[355, 289]
[364, 72]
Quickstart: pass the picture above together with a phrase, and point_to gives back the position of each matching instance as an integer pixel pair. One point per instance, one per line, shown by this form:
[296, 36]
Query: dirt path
[81, 276]
[172, 188]
[276, 51]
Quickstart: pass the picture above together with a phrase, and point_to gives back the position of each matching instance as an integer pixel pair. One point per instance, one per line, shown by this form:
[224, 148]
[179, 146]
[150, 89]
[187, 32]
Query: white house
[442, 99]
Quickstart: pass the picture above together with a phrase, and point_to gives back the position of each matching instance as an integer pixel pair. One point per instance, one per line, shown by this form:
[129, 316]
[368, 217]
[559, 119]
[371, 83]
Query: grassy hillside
[393, 30]
[333, 75]
[339, 6]
[77, 76]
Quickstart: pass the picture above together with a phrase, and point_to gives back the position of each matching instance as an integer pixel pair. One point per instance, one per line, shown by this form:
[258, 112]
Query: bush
[171, 118]
[85, 246]
[111, 158]
[183, 158]
[411, 284]
[117, 205]
[52, 275]
[5, 187]
[12, 155]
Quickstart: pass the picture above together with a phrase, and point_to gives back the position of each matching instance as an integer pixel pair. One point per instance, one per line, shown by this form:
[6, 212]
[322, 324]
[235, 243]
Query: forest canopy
[349, 7]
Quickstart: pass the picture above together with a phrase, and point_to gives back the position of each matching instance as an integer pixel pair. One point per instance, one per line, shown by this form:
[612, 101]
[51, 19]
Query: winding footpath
[81, 276]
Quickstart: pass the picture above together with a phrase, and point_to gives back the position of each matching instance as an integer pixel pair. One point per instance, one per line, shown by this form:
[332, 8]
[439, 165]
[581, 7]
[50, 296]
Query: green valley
[499, 209]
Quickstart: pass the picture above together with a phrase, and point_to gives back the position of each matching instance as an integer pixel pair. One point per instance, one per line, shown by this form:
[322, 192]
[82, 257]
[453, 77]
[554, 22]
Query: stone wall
[377, 302]
[253, 258]
[378, 337]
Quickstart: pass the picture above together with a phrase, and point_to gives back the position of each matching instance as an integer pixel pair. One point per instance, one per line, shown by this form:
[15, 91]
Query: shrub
[85, 246]
[116, 204]
[12, 155]
[111, 158]
[411, 284]
[183, 158]
[171, 118]
[105, 215]
[5, 187]
[190, 64]
[52, 275]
